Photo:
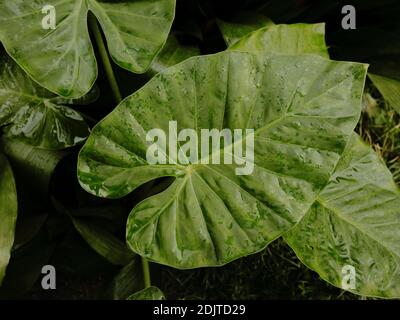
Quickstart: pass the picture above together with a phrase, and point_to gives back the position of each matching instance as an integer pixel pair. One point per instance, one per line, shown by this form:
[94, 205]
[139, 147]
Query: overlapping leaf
[210, 215]
[8, 213]
[104, 243]
[285, 39]
[242, 25]
[33, 114]
[171, 54]
[355, 222]
[62, 59]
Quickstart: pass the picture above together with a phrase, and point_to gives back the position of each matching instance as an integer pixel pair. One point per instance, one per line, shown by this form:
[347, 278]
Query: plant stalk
[94, 26]
[146, 273]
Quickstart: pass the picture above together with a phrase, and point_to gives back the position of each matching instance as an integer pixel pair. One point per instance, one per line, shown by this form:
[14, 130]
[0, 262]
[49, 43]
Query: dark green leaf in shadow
[8, 213]
[128, 280]
[172, 53]
[25, 266]
[27, 228]
[34, 115]
[242, 25]
[33, 167]
[389, 88]
[103, 242]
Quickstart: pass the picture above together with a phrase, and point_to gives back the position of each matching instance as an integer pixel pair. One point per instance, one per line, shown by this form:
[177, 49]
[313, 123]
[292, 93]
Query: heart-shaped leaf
[33, 114]
[354, 224]
[62, 59]
[8, 213]
[210, 215]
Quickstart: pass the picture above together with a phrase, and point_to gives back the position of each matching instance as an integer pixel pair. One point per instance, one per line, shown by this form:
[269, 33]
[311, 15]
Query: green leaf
[33, 167]
[242, 25]
[150, 293]
[171, 54]
[34, 115]
[210, 216]
[285, 39]
[25, 266]
[128, 280]
[62, 60]
[355, 221]
[103, 242]
[8, 213]
[389, 88]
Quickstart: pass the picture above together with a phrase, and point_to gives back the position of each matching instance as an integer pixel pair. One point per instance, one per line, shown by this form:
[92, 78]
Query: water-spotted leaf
[354, 224]
[8, 213]
[34, 115]
[62, 59]
[103, 242]
[210, 215]
[389, 88]
[150, 293]
[285, 39]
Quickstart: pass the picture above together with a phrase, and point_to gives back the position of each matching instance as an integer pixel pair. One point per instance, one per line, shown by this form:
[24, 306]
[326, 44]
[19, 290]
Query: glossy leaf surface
[62, 59]
[210, 215]
[34, 115]
[354, 222]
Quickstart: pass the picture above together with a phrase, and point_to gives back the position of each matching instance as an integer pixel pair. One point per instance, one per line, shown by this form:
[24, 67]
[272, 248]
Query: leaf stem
[94, 26]
[146, 273]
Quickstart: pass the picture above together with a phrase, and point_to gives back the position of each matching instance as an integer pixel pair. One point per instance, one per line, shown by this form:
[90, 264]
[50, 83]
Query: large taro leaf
[33, 114]
[8, 213]
[285, 39]
[354, 222]
[343, 242]
[62, 59]
[302, 109]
